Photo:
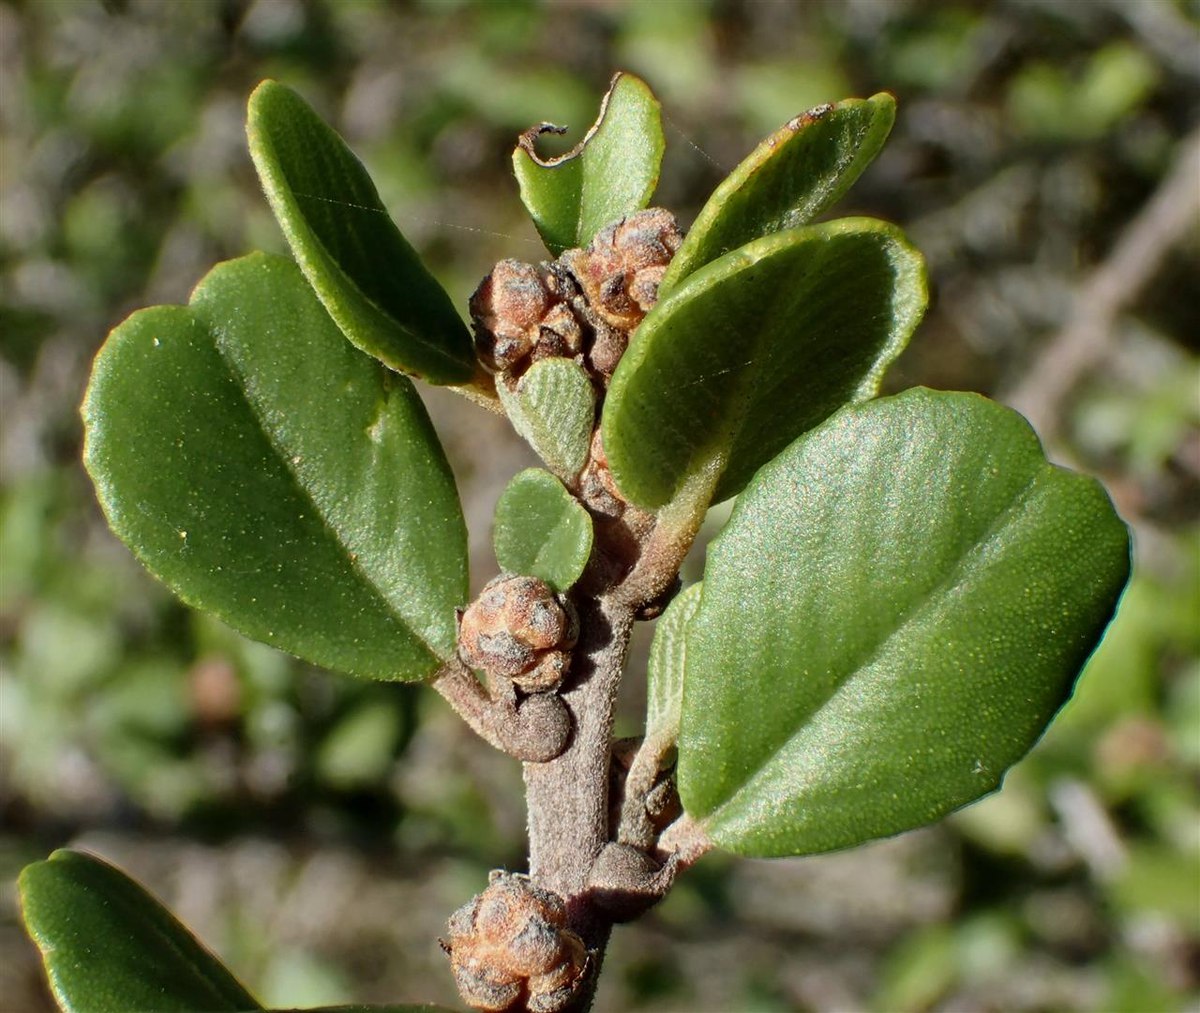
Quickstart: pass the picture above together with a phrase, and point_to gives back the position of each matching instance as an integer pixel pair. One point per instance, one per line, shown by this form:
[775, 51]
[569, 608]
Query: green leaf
[364, 271]
[273, 475]
[668, 652]
[898, 606]
[789, 179]
[541, 530]
[554, 408]
[108, 945]
[612, 172]
[755, 349]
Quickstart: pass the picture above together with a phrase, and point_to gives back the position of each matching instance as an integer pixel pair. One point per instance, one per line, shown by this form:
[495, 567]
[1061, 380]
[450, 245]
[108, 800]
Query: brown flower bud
[519, 629]
[608, 345]
[519, 316]
[559, 334]
[621, 268]
[597, 487]
[510, 945]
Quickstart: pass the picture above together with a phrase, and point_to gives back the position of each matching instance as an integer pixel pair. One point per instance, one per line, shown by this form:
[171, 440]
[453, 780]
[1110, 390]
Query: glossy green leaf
[664, 676]
[612, 172]
[554, 409]
[755, 349]
[272, 474]
[110, 947]
[789, 179]
[899, 604]
[541, 530]
[364, 271]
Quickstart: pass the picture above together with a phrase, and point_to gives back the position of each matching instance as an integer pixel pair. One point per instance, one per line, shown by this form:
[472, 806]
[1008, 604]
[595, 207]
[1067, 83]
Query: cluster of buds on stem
[519, 629]
[510, 949]
[582, 306]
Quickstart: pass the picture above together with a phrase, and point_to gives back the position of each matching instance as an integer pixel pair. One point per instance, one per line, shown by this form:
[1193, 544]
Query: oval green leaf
[272, 474]
[789, 179]
[541, 530]
[664, 673]
[109, 946]
[612, 172]
[898, 606]
[755, 349]
[553, 407]
[362, 268]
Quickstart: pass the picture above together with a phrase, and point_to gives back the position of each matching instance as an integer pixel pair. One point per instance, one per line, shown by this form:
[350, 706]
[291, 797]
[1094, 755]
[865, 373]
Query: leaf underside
[898, 606]
[541, 530]
[270, 473]
[665, 668]
[554, 410]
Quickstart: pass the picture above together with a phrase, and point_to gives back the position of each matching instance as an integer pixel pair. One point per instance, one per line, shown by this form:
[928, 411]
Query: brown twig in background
[1088, 332]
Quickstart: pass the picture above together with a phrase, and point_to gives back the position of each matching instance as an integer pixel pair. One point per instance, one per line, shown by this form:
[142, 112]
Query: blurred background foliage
[316, 831]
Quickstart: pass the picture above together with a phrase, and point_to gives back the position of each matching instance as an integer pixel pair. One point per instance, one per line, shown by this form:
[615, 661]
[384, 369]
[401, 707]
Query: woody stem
[567, 797]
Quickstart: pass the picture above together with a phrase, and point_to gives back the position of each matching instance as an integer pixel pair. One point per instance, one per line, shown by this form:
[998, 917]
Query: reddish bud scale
[582, 306]
[597, 487]
[622, 266]
[510, 945]
[519, 317]
[519, 629]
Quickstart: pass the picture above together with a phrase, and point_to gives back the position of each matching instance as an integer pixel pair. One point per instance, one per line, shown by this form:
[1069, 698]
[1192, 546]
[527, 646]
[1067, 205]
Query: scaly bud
[519, 629]
[622, 266]
[520, 317]
[510, 945]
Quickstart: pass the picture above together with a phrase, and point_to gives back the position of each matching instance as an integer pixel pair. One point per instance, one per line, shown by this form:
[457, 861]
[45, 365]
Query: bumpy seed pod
[519, 629]
[510, 945]
[520, 317]
[620, 270]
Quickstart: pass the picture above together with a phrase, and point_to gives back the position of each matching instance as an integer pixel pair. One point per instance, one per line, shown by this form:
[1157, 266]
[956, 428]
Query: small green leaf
[898, 606]
[612, 172]
[541, 530]
[270, 473]
[364, 271]
[755, 349]
[664, 678]
[554, 409]
[789, 179]
[108, 945]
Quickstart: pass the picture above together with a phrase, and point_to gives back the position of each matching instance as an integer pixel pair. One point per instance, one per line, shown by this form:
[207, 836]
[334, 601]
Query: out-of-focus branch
[1088, 332]
[1166, 31]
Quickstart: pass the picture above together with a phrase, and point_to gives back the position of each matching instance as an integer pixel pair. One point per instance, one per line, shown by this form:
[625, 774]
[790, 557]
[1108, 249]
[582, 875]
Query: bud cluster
[510, 948]
[519, 629]
[582, 306]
